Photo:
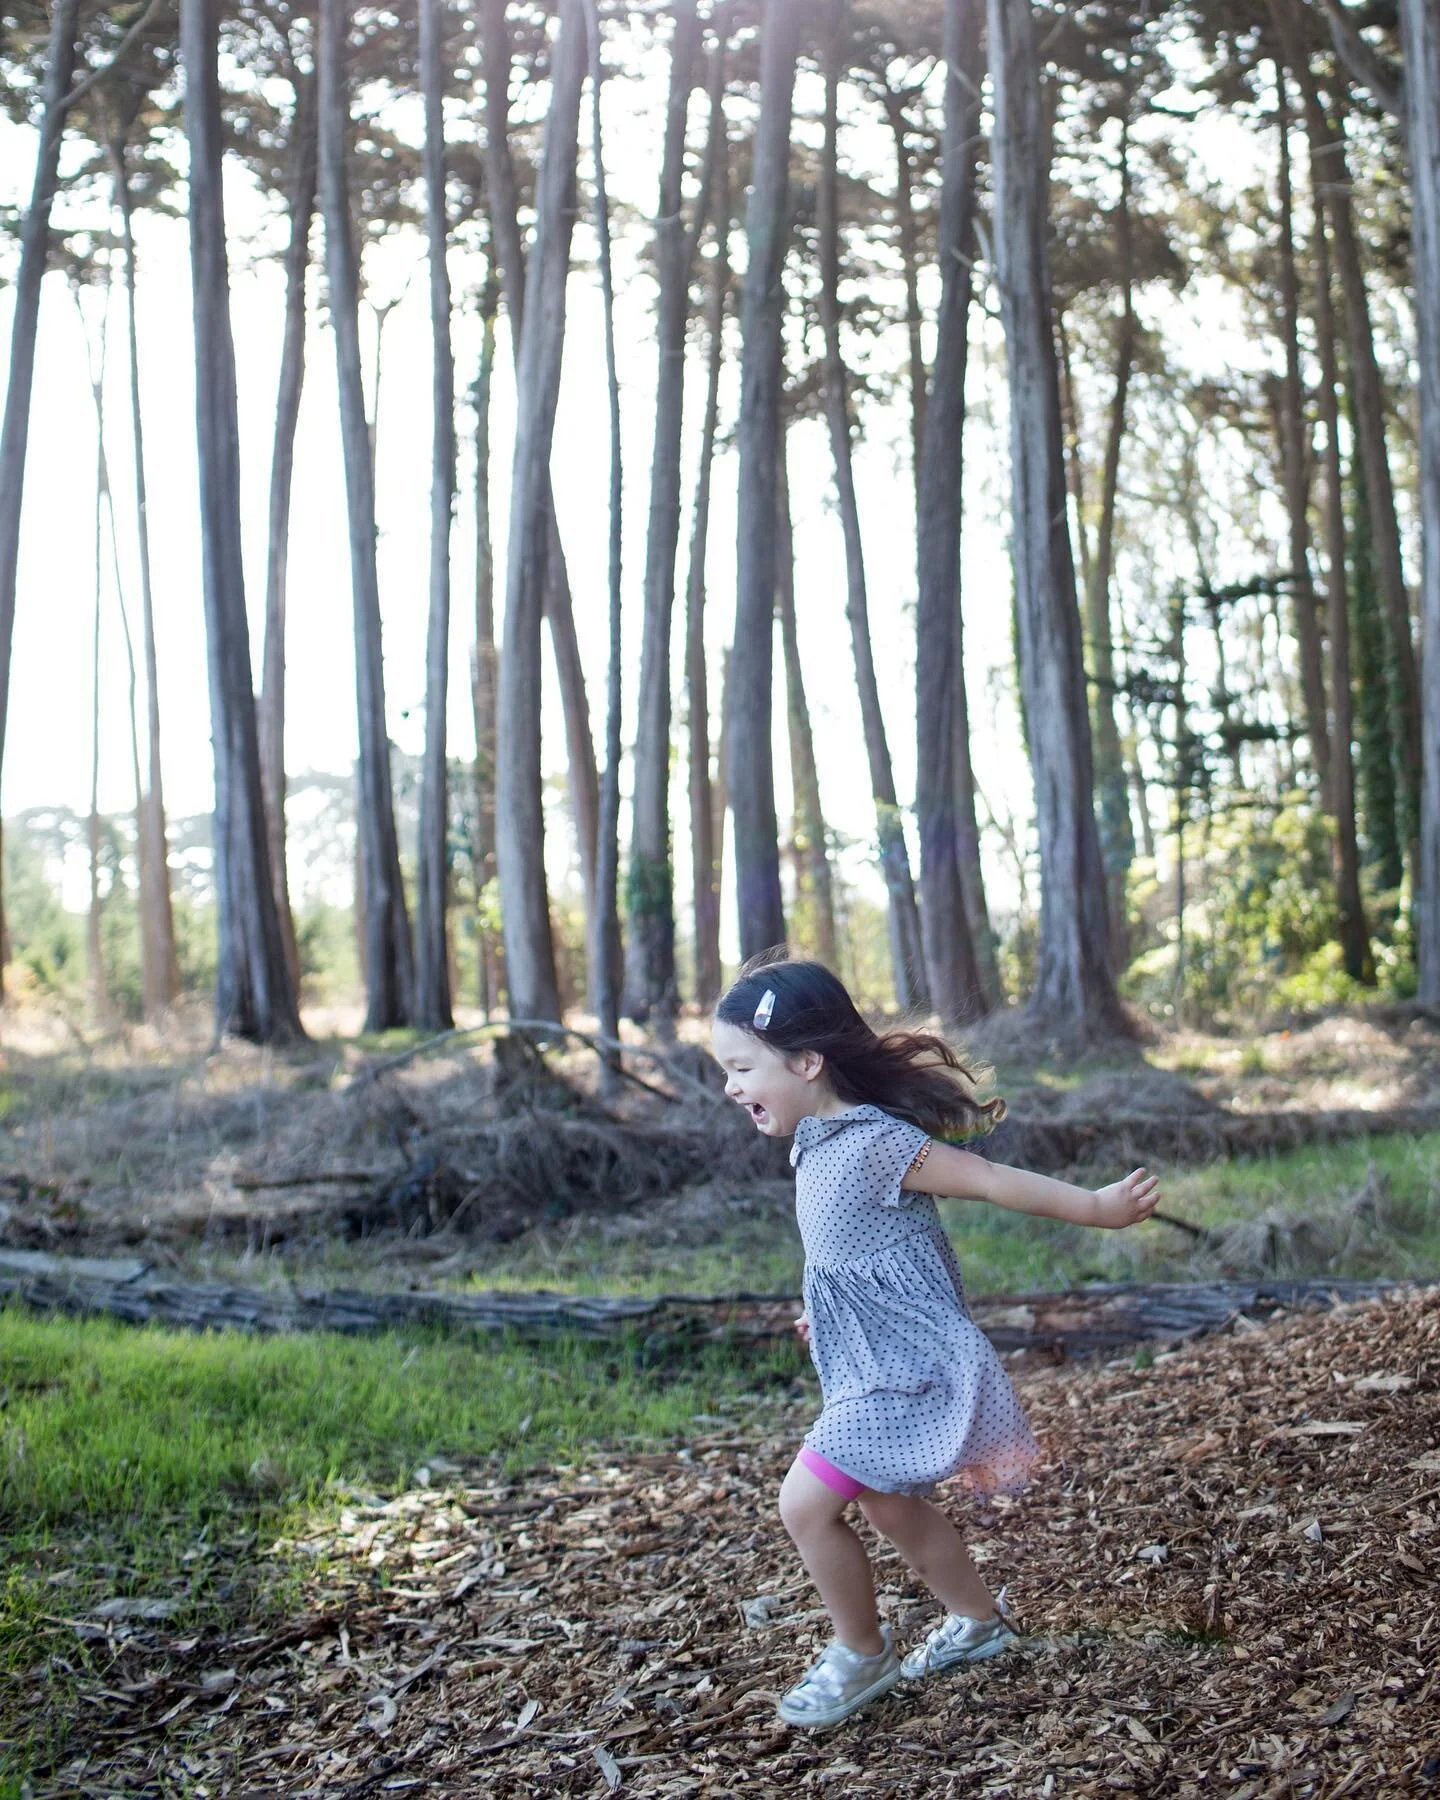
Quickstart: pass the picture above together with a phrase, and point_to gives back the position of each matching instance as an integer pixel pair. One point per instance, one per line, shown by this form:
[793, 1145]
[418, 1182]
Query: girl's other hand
[802, 1328]
[1127, 1202]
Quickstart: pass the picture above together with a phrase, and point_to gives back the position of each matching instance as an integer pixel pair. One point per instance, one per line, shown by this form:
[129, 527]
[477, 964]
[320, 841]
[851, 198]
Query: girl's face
[776, 1090]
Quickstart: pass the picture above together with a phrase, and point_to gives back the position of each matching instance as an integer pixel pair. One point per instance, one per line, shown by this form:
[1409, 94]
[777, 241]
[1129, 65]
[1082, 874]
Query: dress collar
[814, 1128]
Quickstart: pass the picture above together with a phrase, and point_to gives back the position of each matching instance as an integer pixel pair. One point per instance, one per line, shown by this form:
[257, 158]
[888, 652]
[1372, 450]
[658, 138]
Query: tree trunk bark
[1117, 839]
[1354, 931]
[751, 772]
[389, 965]
[907, 953]
[581, 772]
[519, 816]
[1328, 152]
[159, 967]
[94, 948]
[1074, 987]
[432, 955]
[1420, 39]
[953, 977]
[1295, 454]
[910, 269]
[605, 948]
[650, 972]
[255, 997]
[482, 670]
[34, 247]
[707, 819]
[282, 470]
[814, 918]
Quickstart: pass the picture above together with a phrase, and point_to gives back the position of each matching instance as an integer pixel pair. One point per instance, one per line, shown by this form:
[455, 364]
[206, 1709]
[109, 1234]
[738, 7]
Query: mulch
[1225, 1572]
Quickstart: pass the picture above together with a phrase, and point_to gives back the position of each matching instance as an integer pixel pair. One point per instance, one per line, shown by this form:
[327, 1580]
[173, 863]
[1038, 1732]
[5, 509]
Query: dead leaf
[609, 1768]
[1339, 1708]
[527, 1713]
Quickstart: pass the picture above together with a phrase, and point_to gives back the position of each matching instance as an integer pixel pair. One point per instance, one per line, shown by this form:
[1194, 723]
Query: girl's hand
[802, 1328]
[1127, 1202]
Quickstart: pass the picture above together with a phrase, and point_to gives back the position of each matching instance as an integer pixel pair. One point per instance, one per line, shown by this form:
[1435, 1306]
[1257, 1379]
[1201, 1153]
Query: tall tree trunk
[1375, 734]
[581, 771]
[159, 967]
[1354, 931]
[301, 206]
[105, 514]
[389, 965]
[99, 1000]
[519, 817]
[432, 956]
[34, 247]
[953, 977]
[751, 772]
[907, 953]
[1117, 838]
[1295, 460]
[707, 818]
[650, 973]
[482, 668]
[255, 997]
[910, 269]
[605, 953]
[1074, 986]
[1328, 152]
[1420, 39]
[814, 918]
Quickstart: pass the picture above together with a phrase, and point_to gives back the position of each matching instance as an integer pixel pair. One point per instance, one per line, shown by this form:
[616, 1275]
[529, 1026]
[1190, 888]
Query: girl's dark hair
[913, 1074]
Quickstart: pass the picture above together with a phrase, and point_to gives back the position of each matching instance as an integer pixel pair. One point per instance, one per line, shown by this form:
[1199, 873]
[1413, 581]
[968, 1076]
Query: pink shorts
[829, 1474]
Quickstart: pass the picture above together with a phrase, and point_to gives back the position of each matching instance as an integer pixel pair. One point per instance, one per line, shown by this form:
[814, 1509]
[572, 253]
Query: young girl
[913, 1392]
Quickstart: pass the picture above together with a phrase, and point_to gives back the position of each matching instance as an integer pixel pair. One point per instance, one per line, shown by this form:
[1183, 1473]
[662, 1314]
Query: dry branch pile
[1226, 1573]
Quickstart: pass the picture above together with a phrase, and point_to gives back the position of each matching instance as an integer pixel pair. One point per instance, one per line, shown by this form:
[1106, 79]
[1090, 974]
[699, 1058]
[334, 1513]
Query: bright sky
[47, 755]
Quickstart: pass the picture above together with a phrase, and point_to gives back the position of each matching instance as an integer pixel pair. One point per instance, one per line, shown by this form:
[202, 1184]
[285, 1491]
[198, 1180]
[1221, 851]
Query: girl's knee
[802, 1509]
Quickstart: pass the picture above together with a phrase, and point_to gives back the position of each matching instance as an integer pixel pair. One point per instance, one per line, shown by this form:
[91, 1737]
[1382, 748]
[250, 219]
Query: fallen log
[1096, 1317]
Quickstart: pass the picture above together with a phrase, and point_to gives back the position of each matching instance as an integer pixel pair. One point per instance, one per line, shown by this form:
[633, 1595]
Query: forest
[509, 510]
[1216, 774]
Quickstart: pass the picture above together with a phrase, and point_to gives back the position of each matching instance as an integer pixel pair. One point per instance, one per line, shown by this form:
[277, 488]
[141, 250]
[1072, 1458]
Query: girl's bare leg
[834, 1556]
[932, 1547]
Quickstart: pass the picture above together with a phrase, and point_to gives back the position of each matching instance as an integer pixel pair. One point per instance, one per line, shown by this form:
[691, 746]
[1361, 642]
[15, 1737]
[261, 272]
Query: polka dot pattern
[914, 1392]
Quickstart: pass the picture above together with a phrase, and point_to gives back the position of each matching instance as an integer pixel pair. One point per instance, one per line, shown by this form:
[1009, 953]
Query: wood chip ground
[1226, 1573]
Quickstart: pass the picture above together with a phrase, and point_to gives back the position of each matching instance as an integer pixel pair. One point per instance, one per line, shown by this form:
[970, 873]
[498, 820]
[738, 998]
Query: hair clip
[765, 1011]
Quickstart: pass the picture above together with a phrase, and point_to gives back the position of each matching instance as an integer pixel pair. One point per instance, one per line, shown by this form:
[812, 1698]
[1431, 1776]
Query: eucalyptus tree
[432, 961]
[605, 950]
[707, 807]
[1074, 984]
[277, 42]
[385, 925]
[519, 818]
[650, 888]
[34, 241]
[907, 954]
[128, 123]
[508, 244]
[255, 995]
[1412, 92]
[948, 838]
[1420, 37]
[751, 775]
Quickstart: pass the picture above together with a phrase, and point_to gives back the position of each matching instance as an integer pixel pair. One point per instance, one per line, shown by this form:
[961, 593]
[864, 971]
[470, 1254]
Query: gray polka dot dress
[914, 1392]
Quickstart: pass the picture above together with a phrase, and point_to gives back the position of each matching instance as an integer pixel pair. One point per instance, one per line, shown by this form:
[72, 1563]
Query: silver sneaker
[957, 1639]
[839, 1684]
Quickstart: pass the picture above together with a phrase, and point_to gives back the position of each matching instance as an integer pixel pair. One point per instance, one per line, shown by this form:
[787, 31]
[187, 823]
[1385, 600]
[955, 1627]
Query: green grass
[157, 1464]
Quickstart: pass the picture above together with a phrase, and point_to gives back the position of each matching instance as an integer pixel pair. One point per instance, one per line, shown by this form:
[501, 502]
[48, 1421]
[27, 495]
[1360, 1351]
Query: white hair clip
[765, 1011]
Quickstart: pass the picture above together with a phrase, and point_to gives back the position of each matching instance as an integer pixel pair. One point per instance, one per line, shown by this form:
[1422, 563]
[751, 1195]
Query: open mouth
[758, 1113]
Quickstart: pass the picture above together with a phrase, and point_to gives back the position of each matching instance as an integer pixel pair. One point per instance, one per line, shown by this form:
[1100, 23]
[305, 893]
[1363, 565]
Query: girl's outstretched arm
[961, 1175]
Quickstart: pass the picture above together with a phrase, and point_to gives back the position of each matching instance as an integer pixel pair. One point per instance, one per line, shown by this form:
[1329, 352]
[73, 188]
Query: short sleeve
[890, 1148]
